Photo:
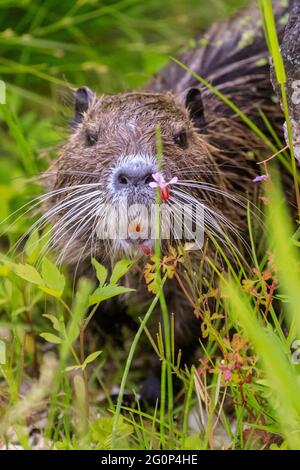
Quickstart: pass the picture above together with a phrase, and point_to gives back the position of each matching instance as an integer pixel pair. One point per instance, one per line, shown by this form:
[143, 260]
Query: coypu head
[111, 156]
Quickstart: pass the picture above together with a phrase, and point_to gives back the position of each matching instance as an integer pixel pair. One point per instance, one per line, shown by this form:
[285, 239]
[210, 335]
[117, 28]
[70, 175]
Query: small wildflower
[204, 367]
[227, 371]
[160, 182]
[258, 179]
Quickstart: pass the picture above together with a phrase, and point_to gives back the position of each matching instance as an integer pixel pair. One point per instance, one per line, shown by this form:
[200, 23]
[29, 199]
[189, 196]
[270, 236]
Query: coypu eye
[91, 138]
[181, 139]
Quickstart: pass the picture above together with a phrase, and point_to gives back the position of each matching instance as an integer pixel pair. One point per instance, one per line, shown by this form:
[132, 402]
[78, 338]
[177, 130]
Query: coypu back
[233, 57]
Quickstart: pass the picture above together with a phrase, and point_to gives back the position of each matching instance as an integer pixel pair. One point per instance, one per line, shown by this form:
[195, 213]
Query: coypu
[111, 153]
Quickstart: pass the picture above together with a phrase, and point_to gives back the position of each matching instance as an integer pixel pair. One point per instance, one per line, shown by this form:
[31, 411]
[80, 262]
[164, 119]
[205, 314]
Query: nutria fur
[203, 140]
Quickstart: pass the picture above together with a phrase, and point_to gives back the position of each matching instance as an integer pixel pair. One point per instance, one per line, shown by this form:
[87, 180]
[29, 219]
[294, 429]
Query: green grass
[243, 392]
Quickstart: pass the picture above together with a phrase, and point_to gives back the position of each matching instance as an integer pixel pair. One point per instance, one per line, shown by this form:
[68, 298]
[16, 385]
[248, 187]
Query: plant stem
[162, 404]
[187, 407]
[129, 361]
[162, 299]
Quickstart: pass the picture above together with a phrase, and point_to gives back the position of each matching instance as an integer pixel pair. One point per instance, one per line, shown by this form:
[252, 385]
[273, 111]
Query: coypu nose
[134, 176]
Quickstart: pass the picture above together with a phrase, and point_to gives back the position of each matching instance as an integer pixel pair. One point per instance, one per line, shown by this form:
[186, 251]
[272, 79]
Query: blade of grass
[128, 364]
[162, 299]
[286, 255]
[280, 374]
[269, 20]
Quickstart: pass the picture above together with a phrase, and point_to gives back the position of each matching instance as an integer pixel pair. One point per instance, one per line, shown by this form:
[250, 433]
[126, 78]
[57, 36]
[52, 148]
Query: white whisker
[53, 211]
[79, 229]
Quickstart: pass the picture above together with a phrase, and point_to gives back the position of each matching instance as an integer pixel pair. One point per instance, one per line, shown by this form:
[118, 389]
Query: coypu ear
[192, 100]
[83, 98]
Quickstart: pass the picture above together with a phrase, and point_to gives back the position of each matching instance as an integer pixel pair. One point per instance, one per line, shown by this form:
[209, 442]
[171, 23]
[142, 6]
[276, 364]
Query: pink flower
[226, 369]
[227, 374]
[257, 179]
[160, 182]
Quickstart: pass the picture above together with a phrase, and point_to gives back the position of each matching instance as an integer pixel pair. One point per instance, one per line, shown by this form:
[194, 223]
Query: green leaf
[54, 293]
[80, 390]
[271, 30]
[107, 292]
[57, 325]
[45, 238]
[51, 338]
[120, 268]
[4, 270]
[29, 273]
[79, 308]
[101, 271]
[91, 358]
[54, 280]
[32, 246]
[70, 368]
